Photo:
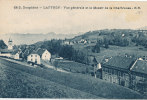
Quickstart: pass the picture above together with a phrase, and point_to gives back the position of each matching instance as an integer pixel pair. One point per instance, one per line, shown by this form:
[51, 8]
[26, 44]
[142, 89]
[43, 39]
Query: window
[35, 55]
[31, 55]
[143, 78]
[124, 75]
[35, 60]
[112, 71]
[115, 72]
[106, 70]
[119, 73]
[109, 71]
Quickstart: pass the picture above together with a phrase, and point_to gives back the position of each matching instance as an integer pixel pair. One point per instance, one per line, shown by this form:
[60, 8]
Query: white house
[34, 57]
[5, 53]
[68, 43]
[44, 54]
[15, 55]
[38, 55]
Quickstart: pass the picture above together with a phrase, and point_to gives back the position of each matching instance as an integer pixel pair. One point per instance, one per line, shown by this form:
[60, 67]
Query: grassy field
[79, 82]
[75, 67]
[131, 50]
[137, 51]
[15, 83]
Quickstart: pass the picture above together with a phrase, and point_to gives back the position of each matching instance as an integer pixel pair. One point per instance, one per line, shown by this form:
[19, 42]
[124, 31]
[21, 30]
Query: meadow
[84, 83]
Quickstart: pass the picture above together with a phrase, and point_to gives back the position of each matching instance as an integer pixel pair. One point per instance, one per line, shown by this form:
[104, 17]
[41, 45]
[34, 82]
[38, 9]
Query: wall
[46, 55]
[116, 76]
[34, 58]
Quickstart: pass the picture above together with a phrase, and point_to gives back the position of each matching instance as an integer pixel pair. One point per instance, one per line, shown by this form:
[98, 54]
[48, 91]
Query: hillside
[18, 84]
[123, 41]
[53, 84]
[94, 35]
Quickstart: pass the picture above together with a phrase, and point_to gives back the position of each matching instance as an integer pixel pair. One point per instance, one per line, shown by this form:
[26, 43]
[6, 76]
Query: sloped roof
[6, 51]
[40, 51]
[32, 50]
[28, 51]
[119, 62]
[140, 66]
[14, 52]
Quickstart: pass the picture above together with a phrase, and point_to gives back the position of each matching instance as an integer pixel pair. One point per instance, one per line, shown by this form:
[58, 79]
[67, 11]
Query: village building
[10, 44]
[16, 54]
[26, 52]
[34, 58]
[117, 70]
[37, 56]
[139, 76]
[144, 58]
[5, 53]
[126, 71]
[44, 54]
[67, 42]
[97, 68]
[82, 41]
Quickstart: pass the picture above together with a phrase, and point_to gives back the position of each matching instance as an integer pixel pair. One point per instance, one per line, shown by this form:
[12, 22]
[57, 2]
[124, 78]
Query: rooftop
[119, 62]
[40, 51]
[140, 66]
[6, 51]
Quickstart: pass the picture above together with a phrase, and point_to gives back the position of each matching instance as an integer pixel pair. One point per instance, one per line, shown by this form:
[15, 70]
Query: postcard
[71, 49]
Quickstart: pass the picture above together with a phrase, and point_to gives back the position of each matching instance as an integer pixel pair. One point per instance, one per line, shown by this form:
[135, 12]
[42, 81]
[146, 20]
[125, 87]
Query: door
[123, 83]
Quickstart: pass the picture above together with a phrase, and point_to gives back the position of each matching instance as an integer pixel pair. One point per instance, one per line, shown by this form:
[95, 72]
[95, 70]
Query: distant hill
[2, 45]
[33, 38]
[143, 28]
[97, 34]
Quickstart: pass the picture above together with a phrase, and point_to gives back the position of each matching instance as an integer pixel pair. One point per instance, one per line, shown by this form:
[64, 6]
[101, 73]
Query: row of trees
[110, 40]
[119, 39]
[65, 51]
[116, 40]
[140, 39]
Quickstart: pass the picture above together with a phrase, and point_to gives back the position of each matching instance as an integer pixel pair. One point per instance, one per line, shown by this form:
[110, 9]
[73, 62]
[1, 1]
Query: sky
[67, 21]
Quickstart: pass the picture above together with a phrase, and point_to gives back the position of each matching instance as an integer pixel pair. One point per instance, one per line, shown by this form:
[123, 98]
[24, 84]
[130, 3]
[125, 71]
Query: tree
[87, 70]
[96, 48]
[55, 63]
[2, 45]
[106, 45]
[66, 52]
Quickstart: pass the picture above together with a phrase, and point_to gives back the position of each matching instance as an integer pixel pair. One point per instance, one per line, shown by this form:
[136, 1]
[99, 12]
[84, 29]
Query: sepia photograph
[70, 49]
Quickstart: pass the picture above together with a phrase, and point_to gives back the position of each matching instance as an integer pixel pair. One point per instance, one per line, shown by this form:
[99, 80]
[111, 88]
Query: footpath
[44, 63]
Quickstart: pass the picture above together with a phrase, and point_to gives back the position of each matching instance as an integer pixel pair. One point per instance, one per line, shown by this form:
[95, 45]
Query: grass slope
[78, 81]
[74, 67]
[17, 84]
